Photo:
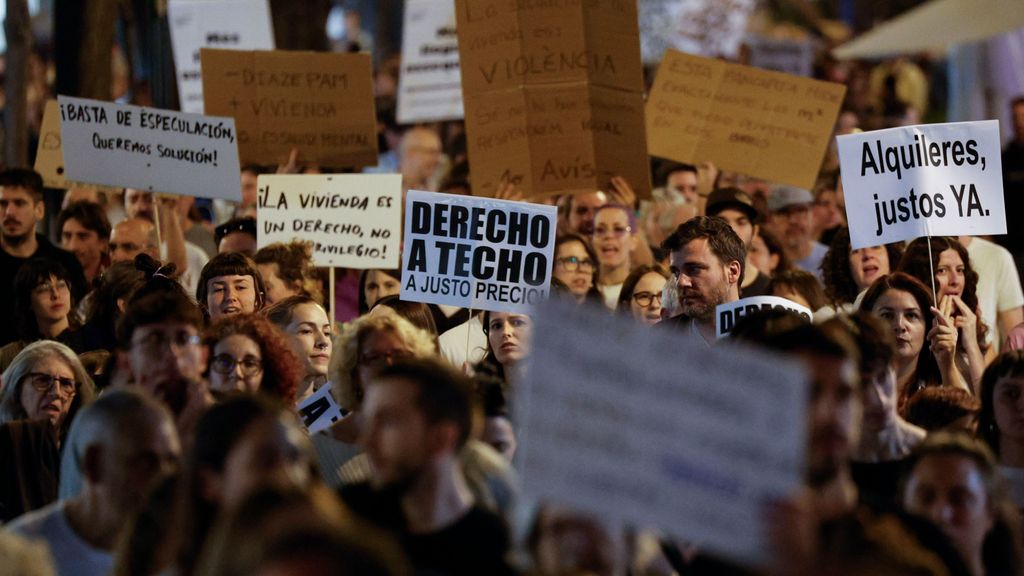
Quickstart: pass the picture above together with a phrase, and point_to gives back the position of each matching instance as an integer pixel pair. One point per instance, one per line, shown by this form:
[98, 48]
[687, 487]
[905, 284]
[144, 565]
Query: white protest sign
[477, 253]
[928, 180]
[728, 314]
[786, 55]
[225, 24]
[653, 429]
[430, 82]
[320, 411]
[353, 220]
[149, 149]
[712, 28]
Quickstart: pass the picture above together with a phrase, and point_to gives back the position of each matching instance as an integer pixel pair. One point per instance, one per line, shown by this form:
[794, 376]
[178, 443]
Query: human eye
[372, 286]
[518, 322]
[496, 324]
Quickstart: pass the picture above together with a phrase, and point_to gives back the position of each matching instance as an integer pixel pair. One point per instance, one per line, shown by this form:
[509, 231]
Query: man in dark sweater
[21, 208]
[417, 418]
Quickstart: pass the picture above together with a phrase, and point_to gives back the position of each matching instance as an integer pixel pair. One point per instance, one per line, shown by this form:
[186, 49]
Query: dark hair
[32, 274]
[160, 299]
[593, 294]
[294, 265]
[24, 178]
[491, 393]
[416, 312]
[443, 394]
[937, 407]
[245, 225]
[669, 168]
[789, 332]
[90, 215]
[840, 287]
[915, 262]
[1009, 364]
[118, 282]
[875, 341]
[629, 284]
[803, 283]
[763, 325]
[282, 370]
[723, 241]
[364, 307]
[229, 264]
[775, 249]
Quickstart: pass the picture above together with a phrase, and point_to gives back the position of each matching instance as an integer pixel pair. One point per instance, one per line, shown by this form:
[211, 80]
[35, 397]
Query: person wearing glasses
[250, 354]
[614, 239]
[641, 293]
[576, 266]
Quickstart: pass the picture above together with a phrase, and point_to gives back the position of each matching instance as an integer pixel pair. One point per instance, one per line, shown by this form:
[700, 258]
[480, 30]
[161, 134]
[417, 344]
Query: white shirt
[454, 343]
[999, 287]
[72, 556]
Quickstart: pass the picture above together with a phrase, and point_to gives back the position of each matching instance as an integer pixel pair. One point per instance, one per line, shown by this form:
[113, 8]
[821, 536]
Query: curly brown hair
[282, 370]
[294, 265]
[840, 287]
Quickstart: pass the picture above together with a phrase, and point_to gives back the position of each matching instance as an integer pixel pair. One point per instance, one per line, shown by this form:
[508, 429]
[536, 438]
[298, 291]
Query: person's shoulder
[680, 322]
[38, 523]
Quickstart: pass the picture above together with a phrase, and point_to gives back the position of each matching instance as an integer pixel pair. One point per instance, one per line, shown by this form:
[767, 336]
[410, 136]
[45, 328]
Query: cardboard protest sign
[786, 55]
[225, 24]
[652, 429]
[430, 84]
[477, 253]
[320, 103]
[761, 123]
[728, 314]
[935, 179]
[320, 411]
[149, 149]
[353, 220]
[553, 94]
[50, 152]
[711, 28]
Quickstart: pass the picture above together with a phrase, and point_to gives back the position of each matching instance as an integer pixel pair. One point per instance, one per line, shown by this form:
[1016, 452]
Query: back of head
[875, 342]
[939, 407]
[159, 300]
[803, 283]
[443, 394]
[416, 312]
[294, 262]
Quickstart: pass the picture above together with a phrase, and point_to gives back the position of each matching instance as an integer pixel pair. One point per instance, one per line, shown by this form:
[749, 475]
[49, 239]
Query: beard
[18, 240]
[703, 309]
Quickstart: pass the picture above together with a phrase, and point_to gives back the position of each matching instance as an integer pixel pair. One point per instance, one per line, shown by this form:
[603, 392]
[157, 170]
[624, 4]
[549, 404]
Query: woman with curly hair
[250, 354]
[956, 284]
[288, 270]
[847, 273]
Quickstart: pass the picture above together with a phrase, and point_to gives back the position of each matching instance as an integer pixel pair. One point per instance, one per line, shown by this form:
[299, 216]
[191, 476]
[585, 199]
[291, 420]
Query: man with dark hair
[707, 264]
[21, 208]
[418, 415]
[680, 181]
[85, 232]
[237, 235]
[737, 208]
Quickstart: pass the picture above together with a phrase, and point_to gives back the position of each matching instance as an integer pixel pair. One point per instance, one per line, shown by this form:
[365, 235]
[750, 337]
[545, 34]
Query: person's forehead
[392, 392]
[133, 195]
[685, 176]
[52, 364]
[14, 193]
[698, 249]
[75, 225]
[949, 470]
[572, 246]
[167, 327]
[731, 214]
[950, 255]
[831, 372]
[309, 313]
[129, 231]
[612, 215]
[589, 199]
[231, 279]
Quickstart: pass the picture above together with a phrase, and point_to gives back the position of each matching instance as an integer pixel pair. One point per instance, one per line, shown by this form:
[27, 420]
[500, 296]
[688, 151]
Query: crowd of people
[155, 364]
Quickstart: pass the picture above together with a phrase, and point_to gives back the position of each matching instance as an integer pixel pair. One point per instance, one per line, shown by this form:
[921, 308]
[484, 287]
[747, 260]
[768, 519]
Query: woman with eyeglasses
[576, 266]
[614, 240]
[250, 354]
[641, 293]
[42, 389]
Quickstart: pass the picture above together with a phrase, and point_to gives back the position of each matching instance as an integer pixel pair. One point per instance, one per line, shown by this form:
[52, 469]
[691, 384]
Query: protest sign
[929, 180]
[50, 154]
[320, 103]
[712, 28]
[226, 24]
[320, 411]
[149, 149]
[757, 122]
[553, 94]
[728, 314]
[477, 253]
[786, 55]
[653, 429]
[430, 84]
[353, 220]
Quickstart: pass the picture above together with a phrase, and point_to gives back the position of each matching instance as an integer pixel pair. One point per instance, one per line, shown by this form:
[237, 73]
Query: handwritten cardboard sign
[320, 103]
[149, 149]
[728, 314]
[430, 85]
[50, 153]
[653, 429]
[553, 94]
[477, 253]
[710, 28]
[353, 220]
[758, 122]
[320, 411]
[934, 179]
[225, 24]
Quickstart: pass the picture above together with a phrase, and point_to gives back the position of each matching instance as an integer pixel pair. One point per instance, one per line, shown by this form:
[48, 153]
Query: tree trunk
[17, 27]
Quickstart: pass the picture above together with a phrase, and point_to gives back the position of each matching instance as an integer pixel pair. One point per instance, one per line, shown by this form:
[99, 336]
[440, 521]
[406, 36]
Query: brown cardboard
[321, 103]
[758, 122]
[553, 95]
[50, 153]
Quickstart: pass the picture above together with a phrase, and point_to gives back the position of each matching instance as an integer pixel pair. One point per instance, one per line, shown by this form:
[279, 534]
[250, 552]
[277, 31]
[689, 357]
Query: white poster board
[353, 220]
[713, 28]
[430, 82]
[786, 55]
[651, 429]
[149, 149]
[477, 253]
[225, 24]
[728, 314]
[929, 180]
[320, 411]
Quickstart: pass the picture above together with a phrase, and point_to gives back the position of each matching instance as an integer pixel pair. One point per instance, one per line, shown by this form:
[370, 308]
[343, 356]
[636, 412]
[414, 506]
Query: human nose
[940, 512]
[322, 340]
[683, 281]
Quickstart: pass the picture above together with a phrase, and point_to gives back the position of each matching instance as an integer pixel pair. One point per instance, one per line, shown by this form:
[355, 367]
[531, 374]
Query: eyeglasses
[224, 364]
[51, 287]
[644, 299]
[379, 359]
[156, 342]
[618, 231]
[43, 382]
[572, 264]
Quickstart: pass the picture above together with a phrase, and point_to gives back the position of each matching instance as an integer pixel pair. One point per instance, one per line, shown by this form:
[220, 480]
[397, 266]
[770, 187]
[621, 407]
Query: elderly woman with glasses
[641, 293]
[44, 382]
[248, 353]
